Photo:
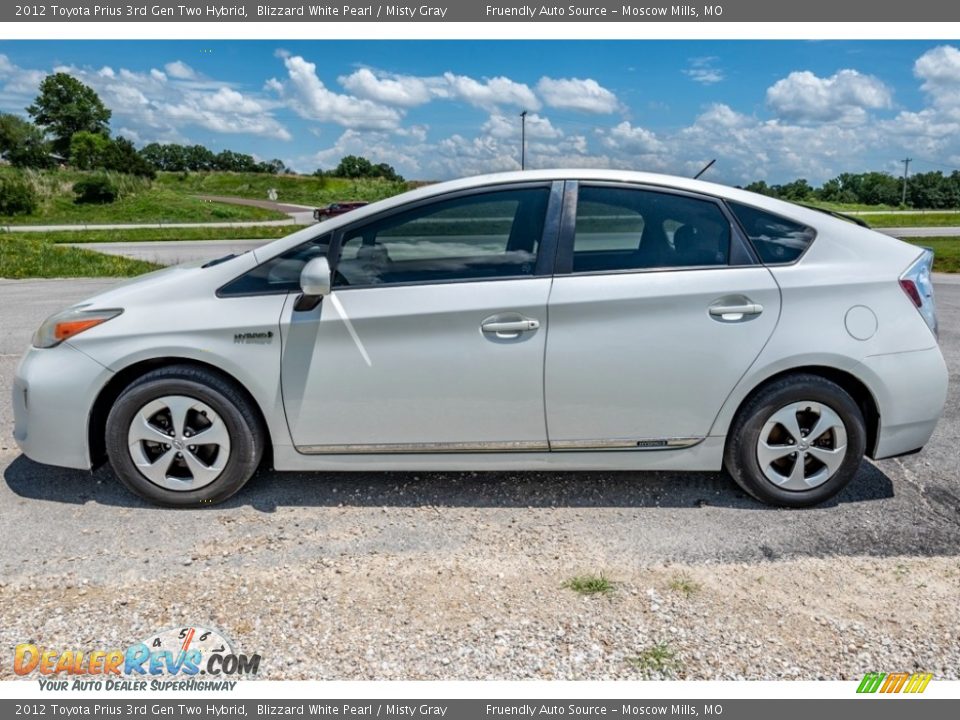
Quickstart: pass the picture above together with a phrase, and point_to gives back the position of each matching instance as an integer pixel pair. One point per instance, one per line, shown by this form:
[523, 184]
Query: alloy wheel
[802, 445]
[179, 443]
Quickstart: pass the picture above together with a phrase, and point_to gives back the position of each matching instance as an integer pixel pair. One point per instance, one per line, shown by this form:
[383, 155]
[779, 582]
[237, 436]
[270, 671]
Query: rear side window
[635, 229]
[776, 239]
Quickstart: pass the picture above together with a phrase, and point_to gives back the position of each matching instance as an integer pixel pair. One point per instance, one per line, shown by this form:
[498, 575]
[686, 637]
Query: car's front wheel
[796, 442]
[183, 436]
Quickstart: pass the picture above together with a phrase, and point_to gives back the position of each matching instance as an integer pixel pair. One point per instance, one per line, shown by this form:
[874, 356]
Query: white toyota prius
[547, 320]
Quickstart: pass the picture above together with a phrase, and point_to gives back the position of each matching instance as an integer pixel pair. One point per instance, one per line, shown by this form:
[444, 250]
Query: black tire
[244, 426]
[740, 457]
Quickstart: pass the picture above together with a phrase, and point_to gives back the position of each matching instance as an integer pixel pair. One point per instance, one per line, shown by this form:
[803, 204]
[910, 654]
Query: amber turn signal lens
[70, 328]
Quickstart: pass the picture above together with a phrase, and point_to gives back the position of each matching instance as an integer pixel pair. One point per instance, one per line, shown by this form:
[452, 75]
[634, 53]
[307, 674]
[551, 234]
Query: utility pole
[906, 169]
[523, 140]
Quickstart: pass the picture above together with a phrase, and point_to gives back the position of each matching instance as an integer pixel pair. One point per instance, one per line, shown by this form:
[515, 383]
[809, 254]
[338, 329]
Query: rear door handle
[510, 327]
[735, 312]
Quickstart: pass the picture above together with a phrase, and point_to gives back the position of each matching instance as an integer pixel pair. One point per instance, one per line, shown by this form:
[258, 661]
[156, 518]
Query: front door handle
[735, 312]
[509, 328]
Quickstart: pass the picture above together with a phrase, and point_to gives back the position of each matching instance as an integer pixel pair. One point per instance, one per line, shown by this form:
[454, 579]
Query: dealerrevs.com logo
[186, 658]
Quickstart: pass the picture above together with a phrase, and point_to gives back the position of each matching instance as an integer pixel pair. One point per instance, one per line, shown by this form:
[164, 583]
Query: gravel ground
[461, 575]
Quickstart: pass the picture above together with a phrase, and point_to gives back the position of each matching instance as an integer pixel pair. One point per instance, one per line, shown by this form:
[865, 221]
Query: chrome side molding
[500, 446]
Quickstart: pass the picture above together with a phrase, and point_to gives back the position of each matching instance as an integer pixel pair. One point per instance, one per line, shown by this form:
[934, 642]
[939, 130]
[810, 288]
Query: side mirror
[314, 282]
[315, 277]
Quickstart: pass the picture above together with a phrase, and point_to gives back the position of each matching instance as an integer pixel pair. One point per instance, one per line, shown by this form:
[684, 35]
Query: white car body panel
[419, 351]
[434, 378]
[649, 336]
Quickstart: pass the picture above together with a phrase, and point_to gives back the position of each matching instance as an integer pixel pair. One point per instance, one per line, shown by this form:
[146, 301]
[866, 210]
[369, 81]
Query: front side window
[776, 239]
[489, 235]
[280, 274]
[632, 229]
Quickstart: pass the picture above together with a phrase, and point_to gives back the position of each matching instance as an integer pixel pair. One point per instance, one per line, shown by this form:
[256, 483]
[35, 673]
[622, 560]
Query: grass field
[141, 202]
[927, 219]
[296, 189]
[28, 258]
[946, 252]
[165, 234]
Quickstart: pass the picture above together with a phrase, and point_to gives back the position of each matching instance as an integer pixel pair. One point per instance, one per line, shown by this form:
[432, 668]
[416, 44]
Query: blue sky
[438, 109]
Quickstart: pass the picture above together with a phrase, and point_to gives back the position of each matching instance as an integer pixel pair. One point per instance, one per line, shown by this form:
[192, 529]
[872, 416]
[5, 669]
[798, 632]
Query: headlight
[66, 324]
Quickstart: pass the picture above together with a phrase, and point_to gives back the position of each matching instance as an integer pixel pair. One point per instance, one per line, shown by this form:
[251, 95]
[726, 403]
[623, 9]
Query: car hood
[187, 279]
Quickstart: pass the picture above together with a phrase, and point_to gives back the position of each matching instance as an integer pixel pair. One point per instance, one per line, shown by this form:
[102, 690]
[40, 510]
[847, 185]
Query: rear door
[657, 309]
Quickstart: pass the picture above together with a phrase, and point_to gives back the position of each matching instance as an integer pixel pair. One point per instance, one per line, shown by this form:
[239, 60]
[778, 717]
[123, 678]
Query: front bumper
[910, 389]
[53, 392]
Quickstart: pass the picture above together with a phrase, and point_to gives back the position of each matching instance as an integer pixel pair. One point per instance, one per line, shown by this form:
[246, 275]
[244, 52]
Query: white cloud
[704, 71]
[180, 70]
[402, 90]
[939, 69]
[844, 96]
[631, 139]
[227, 100]
[377, 145]
[19, 85]
[503, 127]
[489, 93]
[153, 106]
[309, 97]
[586, 95]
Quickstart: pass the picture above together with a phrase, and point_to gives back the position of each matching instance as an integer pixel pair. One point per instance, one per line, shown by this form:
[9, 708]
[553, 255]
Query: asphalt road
[920, 232]
[905, 506]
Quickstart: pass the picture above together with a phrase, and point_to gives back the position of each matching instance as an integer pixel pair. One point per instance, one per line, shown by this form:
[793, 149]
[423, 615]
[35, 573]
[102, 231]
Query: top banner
[474, 11]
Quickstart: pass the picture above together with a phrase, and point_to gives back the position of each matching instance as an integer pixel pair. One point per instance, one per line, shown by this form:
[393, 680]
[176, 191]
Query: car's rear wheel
[797, 442]
[184, 436]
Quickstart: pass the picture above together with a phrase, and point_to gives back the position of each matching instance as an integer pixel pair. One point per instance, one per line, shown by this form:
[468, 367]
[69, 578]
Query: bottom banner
[875, 708]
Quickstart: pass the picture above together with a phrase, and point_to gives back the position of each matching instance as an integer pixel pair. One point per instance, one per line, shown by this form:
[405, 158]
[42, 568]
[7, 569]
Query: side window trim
[742, 253]
[546, 245]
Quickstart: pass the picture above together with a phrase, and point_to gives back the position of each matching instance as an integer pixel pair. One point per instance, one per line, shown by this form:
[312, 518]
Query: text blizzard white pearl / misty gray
[386, 12]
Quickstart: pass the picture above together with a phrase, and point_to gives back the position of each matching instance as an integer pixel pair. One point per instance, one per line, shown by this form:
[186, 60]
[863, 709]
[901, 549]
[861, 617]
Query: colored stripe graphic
[894, 682]
[918, 682]
[870, 683]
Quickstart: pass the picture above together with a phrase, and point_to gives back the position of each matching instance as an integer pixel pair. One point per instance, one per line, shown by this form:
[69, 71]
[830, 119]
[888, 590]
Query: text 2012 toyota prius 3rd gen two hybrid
[549, 320]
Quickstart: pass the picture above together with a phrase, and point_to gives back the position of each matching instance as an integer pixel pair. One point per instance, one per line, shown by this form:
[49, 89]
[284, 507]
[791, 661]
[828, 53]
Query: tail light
[918, 285]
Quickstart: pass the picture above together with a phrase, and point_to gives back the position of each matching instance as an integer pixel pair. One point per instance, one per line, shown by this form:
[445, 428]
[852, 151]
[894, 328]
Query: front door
[433, 337]
[659, 313]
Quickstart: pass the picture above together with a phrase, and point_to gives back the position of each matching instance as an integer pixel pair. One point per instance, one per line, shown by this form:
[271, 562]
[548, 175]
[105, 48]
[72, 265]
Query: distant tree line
[930, 190]
[356, 166]
[71, 126]
[197, 158]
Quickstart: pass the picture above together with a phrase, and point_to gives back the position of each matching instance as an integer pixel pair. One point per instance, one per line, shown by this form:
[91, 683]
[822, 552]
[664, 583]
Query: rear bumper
[53, 392]
[910, 389]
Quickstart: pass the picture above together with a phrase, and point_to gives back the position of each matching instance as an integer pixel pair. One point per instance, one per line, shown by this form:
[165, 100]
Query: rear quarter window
[776, 239]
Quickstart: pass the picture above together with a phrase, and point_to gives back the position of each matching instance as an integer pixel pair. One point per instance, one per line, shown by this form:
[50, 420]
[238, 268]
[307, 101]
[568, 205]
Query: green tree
[353, 166]
[199, 158]
[66, 106]
[87, 150]
[121, 156]
[23, 144]
[356, 166]
[234, 162]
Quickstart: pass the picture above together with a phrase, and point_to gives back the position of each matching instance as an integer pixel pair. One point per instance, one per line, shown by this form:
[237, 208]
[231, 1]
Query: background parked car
[338, 208]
